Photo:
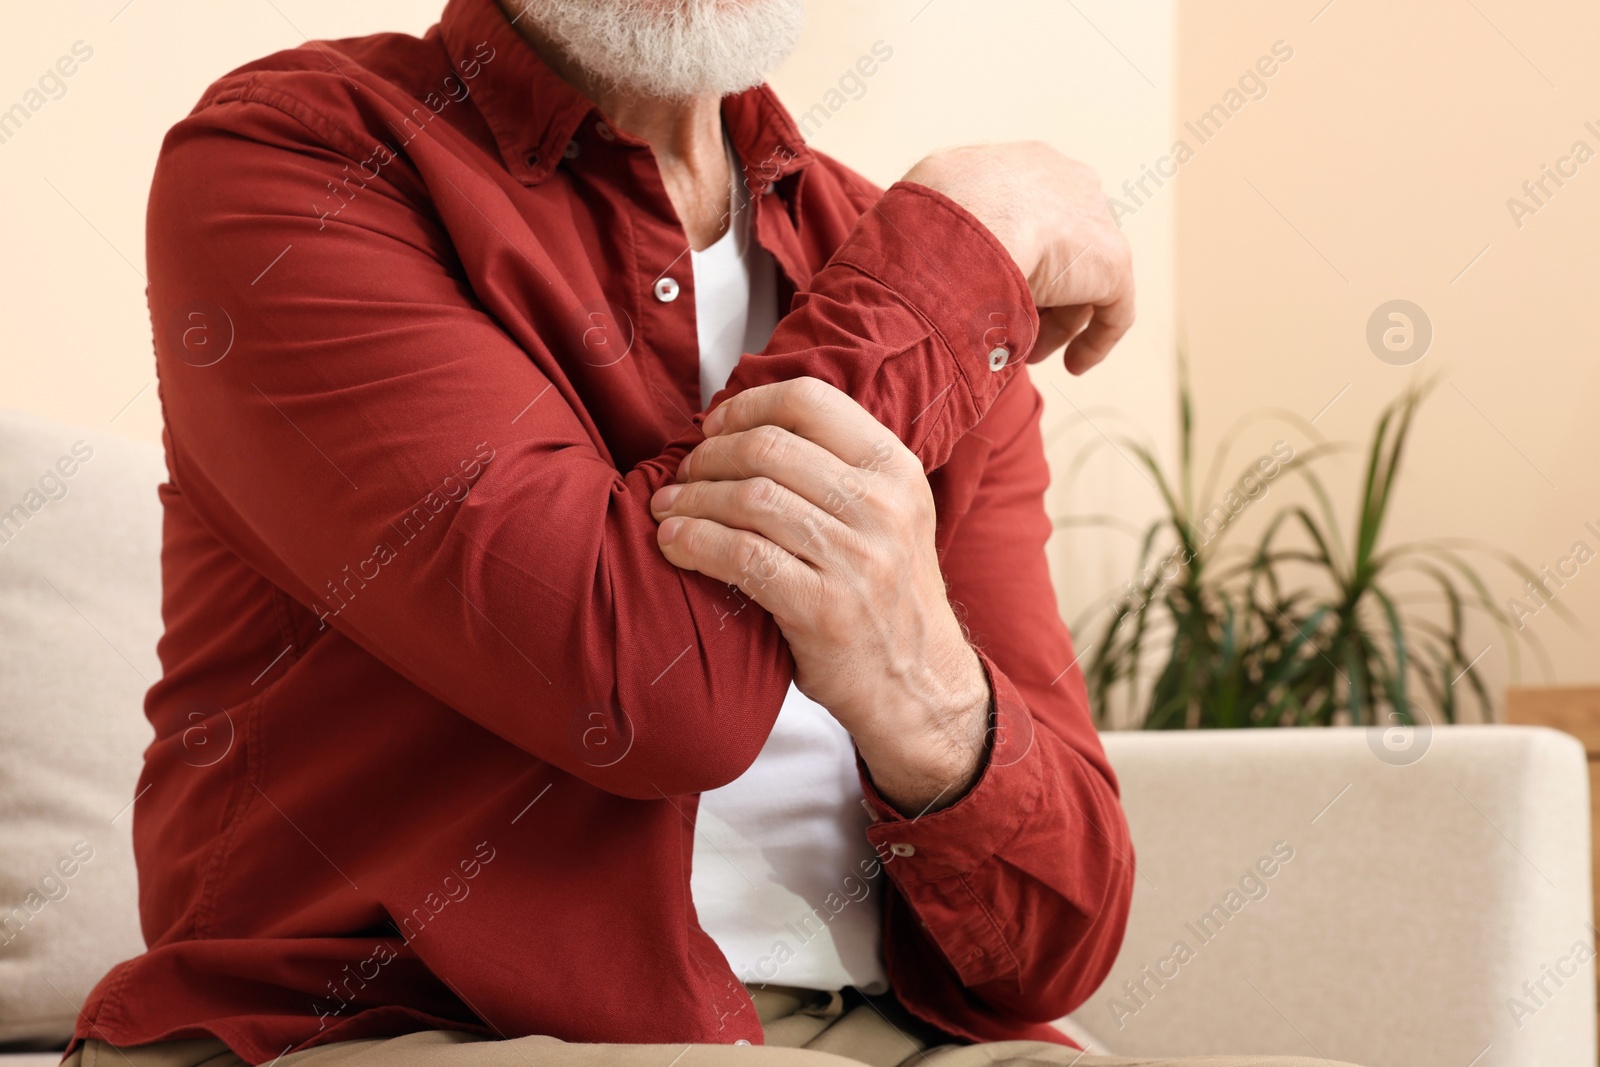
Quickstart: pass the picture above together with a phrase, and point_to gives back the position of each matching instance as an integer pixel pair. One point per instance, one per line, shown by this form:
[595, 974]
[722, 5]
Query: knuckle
[891, 454]
[1121, 251]
[766, 446]
[912, 507]
[758, 493]
[747, 554]
[893, 510]
[812, 392]
[756, 561]
[811, 539]
[855, 549]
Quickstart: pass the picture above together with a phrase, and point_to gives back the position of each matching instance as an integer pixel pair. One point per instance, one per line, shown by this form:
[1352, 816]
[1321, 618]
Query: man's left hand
[817, 512]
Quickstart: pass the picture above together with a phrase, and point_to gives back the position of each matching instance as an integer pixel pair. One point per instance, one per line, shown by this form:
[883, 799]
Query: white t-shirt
[780, 853]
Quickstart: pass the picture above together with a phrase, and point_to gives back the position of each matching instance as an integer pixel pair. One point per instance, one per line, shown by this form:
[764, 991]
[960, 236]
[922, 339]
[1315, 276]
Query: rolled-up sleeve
[921, 316]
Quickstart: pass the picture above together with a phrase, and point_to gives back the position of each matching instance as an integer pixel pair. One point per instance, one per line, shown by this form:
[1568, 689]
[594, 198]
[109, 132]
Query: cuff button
[999, 356]
[900, 848]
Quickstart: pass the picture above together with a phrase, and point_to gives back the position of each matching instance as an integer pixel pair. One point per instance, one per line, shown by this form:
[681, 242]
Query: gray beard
[672, 48]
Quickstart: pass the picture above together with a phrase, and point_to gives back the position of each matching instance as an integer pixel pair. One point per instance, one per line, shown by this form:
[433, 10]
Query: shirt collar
[534, 113]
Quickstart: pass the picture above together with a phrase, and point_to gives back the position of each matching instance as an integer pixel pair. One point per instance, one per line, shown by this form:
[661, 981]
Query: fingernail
[668, 531]
[713, 424]
[662, 501]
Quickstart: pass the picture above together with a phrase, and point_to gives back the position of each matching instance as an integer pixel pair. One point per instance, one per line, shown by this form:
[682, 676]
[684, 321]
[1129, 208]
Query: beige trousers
[802, 1028]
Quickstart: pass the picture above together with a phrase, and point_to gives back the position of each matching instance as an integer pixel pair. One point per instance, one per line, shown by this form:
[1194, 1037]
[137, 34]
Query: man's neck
[685, 135]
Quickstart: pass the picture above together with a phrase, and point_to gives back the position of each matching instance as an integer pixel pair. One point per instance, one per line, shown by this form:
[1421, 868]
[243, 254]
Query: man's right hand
[1051, 215]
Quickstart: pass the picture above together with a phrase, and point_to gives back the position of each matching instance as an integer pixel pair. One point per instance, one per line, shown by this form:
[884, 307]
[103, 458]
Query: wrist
[963, 175]
[926, 753]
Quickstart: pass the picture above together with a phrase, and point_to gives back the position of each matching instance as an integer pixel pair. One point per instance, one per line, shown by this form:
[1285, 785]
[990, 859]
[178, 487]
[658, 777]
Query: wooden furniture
[1574, 710]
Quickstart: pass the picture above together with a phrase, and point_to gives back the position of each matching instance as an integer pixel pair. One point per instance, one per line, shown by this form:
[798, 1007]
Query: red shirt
[436, 710]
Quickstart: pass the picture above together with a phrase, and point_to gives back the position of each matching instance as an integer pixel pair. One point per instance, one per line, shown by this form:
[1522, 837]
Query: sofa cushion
[80, 538]
[1372, 896]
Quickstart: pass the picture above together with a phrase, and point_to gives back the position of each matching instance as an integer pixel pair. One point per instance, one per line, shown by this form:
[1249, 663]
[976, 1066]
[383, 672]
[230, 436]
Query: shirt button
[769, 187]
[531, 159]
[571, 151]
[903, 849]
[666, 290]
[999, 356]
[604, 132]
[741, 1041]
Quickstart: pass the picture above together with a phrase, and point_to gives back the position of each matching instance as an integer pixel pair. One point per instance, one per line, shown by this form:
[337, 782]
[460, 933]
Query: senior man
[607, 617]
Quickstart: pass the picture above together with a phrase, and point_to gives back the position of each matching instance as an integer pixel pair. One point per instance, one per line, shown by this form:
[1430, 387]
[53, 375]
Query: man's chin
[672, 48]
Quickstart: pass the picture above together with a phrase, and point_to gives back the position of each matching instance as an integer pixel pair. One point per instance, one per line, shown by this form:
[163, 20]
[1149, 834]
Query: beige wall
[77, 336]
[1378, 166]
[1095, 80]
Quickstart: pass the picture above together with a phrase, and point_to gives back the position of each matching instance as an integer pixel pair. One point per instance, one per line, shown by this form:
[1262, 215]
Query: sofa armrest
[1314, 892]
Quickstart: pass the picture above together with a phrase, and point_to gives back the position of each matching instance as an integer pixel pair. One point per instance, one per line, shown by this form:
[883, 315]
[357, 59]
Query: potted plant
[1305, 626]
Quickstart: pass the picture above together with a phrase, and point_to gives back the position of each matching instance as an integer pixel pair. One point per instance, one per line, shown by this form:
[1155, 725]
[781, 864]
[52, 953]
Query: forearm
[925, 750]
[1012, 901]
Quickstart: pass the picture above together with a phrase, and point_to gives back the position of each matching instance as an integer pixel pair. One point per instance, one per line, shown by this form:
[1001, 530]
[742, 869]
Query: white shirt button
[666, 290]
[900, 848]
[999, 356]
[571, 151]
[604, 132]
[741, 1041]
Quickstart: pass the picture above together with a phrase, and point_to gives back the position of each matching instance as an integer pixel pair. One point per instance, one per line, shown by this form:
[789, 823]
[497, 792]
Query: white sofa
[1420, 897]
[1385, 910]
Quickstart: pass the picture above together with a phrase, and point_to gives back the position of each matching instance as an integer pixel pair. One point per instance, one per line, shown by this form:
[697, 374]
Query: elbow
[1062, 969]
[677, 744]
[1103, 944]
[1084, 957]
[669, 767]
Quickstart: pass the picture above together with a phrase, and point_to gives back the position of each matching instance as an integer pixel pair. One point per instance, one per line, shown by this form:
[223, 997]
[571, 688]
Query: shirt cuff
[956, 840]
[937, 257]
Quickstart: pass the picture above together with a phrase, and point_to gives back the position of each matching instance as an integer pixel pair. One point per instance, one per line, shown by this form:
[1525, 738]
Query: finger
[801, 466]
[760, 506]
[762, 571]
[1098, 273]
[810, 408]
[1108, 326]
[1057, 326]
